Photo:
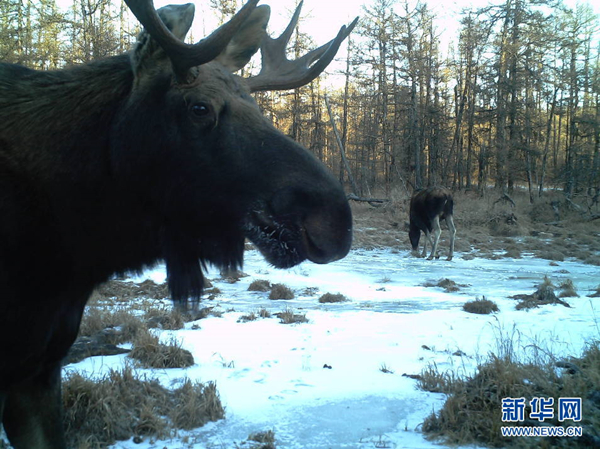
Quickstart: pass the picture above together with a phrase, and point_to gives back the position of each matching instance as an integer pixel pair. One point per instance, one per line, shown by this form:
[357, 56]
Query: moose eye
[201, 110]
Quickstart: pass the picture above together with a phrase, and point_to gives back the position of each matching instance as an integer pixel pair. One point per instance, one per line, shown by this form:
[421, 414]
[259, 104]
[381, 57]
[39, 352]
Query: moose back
[158, 154]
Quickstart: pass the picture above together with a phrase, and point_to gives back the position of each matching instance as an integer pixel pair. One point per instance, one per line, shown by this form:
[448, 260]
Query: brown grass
[567, 289]
[472, 412]
[447, 284]
[265, 439]
[332, 298]
[252, 316]
[481, 306]
[122, 405]
[259, 285]
[167, 318]
[280, 291]
[542, 296]
[289, 317]
[248, 317]
[148, 350]
[97, 319]
[126, 290]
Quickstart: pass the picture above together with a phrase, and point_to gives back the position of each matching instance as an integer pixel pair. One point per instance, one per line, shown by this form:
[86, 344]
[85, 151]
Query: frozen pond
[271, 376]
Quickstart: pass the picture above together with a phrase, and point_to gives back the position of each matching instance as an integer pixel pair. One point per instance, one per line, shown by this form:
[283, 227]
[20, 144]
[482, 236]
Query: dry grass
[481, 306]
[473, 409]
[253, 316]
[289, 317]
[97, 319]
[122, 405]
[167, 318]
[248, 317]
[265, 439]
[512, 253]
[125, 291]
[567, 289]
[543, 295]
[264, 313]
[151, 353]
[280, 291]
[447, 284]
[332, 298]
[385, 369]
[259, 285]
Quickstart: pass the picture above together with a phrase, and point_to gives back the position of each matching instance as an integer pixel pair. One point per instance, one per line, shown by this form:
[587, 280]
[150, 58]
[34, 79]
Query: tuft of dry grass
[280, 291]
[386, 369]
[567, 289]
[264, 313]
[97, 319]
[473, 409]
[332, 298]
[481, 306]
[259, 285]
[447, 284]
[167, 318]
[122, 405]
[513, 253]
[289, 317]
[266, 439]
[248, 317]
[125, 290]
[255, 315]
[550, 254]
[542, 296]
[151, 353]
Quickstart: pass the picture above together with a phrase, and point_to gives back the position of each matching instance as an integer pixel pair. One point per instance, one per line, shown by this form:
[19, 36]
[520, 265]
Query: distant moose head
[158, 154]
[427, 208]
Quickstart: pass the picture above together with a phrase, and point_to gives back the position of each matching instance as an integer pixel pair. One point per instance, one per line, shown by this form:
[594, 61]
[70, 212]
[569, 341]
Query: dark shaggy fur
[107, 168]
[427, 208]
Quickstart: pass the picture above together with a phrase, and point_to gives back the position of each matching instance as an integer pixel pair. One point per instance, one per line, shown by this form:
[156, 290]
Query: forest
[513, 103]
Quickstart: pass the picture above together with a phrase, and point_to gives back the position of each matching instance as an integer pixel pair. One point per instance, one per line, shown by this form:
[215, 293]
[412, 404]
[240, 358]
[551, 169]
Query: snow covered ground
[271, 376]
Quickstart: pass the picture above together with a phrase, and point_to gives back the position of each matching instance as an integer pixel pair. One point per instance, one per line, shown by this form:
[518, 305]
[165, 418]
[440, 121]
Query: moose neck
[67, 160]
[70, 110]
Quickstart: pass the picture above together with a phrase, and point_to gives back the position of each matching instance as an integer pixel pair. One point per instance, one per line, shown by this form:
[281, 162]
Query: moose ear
[247, 40]
[178, 19]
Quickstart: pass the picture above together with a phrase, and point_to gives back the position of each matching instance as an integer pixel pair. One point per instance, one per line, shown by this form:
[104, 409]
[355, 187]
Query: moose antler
[279, 73]
[185, 56]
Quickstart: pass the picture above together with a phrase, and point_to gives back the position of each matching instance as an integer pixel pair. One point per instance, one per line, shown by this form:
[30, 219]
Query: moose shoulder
[158, 154]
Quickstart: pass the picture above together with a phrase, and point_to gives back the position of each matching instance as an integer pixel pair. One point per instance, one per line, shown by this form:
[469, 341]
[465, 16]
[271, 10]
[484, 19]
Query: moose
[427, 208]
[157, 154]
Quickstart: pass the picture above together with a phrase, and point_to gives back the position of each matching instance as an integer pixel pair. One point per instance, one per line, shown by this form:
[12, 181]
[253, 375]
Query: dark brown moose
[427, 208]
[158, 154]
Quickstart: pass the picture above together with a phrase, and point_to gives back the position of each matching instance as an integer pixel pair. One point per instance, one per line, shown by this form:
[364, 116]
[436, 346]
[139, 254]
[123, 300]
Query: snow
[271, 376]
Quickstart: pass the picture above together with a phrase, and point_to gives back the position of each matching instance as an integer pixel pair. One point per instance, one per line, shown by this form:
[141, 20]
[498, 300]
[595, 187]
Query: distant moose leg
[425, 240]
[452, 229]
[437, 232]
[32, 413]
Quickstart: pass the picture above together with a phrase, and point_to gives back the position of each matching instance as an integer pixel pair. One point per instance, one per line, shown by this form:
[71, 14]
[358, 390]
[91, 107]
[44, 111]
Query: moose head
[246, 179]
[157, 154]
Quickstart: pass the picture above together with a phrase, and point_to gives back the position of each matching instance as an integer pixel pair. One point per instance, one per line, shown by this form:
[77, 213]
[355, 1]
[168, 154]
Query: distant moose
[427, 208]
[157, 154]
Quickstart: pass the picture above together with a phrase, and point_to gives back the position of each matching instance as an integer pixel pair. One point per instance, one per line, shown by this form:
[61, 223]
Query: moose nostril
[323, 219]
[328, 236]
